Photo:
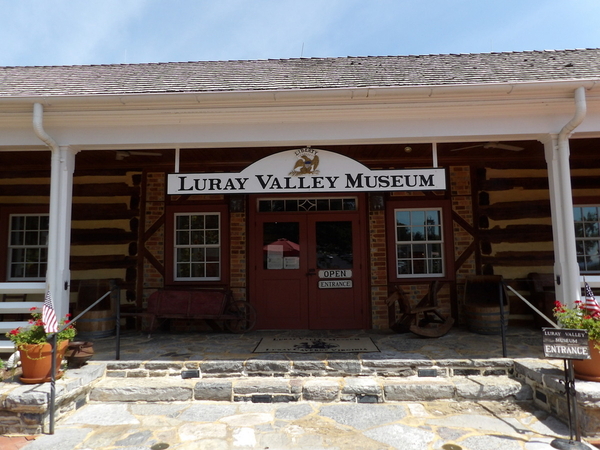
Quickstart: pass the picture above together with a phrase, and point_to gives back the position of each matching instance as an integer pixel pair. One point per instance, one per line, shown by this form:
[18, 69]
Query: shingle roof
[303, 73]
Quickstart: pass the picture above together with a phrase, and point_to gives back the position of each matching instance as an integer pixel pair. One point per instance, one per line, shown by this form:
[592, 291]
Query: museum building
[313, 188]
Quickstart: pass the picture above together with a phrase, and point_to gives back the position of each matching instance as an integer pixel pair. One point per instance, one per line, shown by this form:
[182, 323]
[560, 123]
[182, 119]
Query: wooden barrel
[95, 324]
[485, 319]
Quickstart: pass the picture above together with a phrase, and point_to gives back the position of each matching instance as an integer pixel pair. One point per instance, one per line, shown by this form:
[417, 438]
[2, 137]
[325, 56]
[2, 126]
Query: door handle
[311, 272]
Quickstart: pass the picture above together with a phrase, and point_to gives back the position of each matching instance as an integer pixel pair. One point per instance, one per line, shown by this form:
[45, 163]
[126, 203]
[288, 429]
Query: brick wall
[238, 251]
[378, 267]
[154, 211]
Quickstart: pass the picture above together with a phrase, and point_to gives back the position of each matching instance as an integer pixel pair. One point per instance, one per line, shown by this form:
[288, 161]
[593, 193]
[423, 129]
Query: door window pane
[281, 245]
[334, 245]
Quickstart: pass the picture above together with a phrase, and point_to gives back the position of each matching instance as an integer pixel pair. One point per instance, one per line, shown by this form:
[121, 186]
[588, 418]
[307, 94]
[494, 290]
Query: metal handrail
[53, 341]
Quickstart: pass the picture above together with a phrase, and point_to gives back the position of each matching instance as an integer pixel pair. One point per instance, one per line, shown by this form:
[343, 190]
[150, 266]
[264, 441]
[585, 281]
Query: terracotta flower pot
[36, 362]
[588, 369]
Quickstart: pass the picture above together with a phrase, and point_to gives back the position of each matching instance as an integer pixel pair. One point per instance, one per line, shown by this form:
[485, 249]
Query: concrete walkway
[440, 425]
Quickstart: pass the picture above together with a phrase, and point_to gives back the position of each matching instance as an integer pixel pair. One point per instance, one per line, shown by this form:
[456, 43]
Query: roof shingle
[302, 73]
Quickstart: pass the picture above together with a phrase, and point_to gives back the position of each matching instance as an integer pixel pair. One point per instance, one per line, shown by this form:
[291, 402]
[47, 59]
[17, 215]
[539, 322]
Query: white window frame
[11, 247]
[191, 246]
[581, 239]
[425, 242]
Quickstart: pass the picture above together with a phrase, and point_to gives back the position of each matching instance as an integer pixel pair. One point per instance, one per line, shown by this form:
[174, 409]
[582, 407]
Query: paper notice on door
[291, 262]
[274, 257]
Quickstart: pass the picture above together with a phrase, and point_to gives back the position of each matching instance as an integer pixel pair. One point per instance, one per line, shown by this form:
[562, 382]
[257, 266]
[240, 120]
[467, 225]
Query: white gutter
[334, 94]
[572, 288]
[38, 128]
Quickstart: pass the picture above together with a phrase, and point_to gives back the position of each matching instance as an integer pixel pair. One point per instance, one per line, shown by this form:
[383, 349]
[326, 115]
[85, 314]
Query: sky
[72, 32]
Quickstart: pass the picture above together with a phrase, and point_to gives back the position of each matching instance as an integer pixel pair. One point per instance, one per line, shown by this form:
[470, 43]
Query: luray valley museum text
[195, 184]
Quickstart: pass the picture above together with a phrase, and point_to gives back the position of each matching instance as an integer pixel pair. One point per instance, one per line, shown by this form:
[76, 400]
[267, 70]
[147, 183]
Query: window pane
[212, 222]
[212, 237]
[590, 213]
[278, 205]
[182, 222]
[198, 270]
[291, 205]
[336, 204]
[433, 218]
[17, 223]
[350, 204]
[183, 254]
[212, 254]
[182, 238]
[183, 270]
[197, 222]
[402, 217]
[579, 230]
[197, 237]
[591, 229]
[212, 270]
[198, 254]
[417, 218]
[418, 233]
[434, 233]
[31, 238]
[16, 238]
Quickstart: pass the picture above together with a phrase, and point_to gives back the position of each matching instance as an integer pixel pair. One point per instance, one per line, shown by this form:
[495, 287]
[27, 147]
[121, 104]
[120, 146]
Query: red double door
[307, 271]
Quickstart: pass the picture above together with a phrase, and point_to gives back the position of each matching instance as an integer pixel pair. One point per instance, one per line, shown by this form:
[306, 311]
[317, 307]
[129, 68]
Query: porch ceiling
[235, 159]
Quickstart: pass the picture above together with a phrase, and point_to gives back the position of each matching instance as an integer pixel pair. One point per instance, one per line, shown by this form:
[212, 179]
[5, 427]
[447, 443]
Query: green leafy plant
[34, 332]
[579, 318]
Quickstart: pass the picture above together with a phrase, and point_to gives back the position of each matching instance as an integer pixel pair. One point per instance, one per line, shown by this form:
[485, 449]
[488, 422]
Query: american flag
[49, 315]
[590, 301]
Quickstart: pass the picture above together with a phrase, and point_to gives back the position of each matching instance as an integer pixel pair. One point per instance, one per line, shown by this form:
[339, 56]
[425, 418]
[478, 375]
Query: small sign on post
[563, 343]
[568, 344]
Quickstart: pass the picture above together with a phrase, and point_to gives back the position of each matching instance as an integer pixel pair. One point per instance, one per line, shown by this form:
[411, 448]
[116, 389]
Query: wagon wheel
[246, 316]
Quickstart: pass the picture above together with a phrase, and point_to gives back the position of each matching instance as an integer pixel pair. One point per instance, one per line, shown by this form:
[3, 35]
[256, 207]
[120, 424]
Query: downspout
[38, 128]
[572, 287]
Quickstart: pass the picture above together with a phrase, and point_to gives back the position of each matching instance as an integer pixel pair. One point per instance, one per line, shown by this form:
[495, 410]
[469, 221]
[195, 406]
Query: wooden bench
[211, 305]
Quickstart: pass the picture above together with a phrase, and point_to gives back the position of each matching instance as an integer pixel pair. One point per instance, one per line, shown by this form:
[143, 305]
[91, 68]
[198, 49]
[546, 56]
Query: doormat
[315, 345]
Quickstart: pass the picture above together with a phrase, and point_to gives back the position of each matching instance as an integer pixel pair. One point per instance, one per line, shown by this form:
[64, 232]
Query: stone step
[320, 389]
[310, 366]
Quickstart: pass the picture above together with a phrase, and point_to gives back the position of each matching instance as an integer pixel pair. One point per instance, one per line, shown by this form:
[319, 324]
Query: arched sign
[307, 170]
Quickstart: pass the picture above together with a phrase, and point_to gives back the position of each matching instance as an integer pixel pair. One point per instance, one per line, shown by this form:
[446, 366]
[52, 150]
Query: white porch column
[58, 276]
[556, 208]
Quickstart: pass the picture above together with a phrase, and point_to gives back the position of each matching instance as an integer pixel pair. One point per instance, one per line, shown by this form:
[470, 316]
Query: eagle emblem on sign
[306, 164]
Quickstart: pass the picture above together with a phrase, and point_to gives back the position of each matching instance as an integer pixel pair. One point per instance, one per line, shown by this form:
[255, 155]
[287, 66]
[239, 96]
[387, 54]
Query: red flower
[33, 308]
[14, 332]
[67, 315]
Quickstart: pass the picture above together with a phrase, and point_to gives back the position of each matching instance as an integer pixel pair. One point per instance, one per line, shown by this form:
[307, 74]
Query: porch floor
[458, 344]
